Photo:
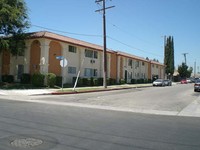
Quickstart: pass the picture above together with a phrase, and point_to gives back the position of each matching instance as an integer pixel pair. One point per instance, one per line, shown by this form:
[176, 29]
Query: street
[32, 125]
[155, 100]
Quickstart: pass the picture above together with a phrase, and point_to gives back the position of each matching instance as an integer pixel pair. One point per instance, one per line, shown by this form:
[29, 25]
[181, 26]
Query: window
[20, 71]
[72, 49]
[88, 72]
[130, 75]
[142, 63]
[72, 70]
[91, 53]
[137, 64]
[130, 62]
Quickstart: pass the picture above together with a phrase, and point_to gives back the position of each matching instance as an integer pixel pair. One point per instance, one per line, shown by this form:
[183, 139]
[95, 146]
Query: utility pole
[104, 40]
[195, 69]
[184, 54]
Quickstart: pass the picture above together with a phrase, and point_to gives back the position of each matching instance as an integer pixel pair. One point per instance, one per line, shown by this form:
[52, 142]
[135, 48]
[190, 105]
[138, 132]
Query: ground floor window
[89, 72]
[71, 70]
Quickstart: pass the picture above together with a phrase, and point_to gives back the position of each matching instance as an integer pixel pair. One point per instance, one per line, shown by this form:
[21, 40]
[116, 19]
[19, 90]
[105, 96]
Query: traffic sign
[59, 57]
[63, 62]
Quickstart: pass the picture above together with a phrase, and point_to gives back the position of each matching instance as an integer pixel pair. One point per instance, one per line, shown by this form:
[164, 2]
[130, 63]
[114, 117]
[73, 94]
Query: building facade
[43, 49]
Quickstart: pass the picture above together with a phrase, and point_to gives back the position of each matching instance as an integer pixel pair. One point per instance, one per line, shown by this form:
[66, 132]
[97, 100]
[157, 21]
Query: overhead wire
[90, 35]
[65, 32]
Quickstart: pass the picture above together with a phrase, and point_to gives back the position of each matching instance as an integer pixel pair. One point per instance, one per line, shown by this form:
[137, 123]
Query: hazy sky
[137, 27]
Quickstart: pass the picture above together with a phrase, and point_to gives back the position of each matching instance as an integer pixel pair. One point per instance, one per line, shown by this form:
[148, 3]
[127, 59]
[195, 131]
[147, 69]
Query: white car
[159, 82]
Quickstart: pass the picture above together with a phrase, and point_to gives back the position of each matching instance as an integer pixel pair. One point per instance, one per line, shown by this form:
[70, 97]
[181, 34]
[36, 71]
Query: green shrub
[122, 81]
[91, 81]
[145, 80]
[95, 82]
[149, 81]
[113, 81]
[85, 82]
[51, 79]
[37, 79]
[140, 81]
[100, 81]
[133, 81]
[25, 78]
[108, 81]
[8, 78]
[58, 81]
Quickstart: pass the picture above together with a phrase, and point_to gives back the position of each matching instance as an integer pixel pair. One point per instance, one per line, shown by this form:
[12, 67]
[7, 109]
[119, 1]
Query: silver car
[168, 82]
[159, 82]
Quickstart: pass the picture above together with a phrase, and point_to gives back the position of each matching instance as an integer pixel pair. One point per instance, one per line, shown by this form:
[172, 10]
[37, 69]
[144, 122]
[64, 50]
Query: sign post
[63, 64]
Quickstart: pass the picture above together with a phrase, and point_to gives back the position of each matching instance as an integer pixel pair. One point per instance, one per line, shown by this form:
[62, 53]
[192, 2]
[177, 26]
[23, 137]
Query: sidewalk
[29, 92]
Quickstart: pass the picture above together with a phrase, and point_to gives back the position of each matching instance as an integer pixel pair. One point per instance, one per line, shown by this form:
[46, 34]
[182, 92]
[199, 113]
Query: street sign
[63, 62]
[59, 57]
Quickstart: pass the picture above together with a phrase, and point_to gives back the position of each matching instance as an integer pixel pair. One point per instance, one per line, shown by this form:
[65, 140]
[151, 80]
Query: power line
[133, 47]
[66, 31]
[89, 35]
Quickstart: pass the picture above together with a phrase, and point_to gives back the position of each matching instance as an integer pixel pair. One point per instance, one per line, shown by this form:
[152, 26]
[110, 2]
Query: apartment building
[43, 48]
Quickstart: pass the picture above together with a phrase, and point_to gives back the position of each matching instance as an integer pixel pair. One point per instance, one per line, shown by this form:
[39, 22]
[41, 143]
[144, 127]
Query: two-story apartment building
[42, 49]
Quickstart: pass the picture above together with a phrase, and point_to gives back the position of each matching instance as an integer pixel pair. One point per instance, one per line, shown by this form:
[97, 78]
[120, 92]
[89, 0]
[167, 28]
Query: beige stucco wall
[157, 70]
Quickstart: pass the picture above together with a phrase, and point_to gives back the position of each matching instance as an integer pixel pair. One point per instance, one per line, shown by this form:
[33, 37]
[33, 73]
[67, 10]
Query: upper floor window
[91, 53]
[142, 63]
[72, 49]
[137, 64]
[130, 62]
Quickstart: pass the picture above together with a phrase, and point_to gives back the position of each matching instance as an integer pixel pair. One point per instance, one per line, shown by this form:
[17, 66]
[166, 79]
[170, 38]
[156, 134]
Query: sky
[137, 27]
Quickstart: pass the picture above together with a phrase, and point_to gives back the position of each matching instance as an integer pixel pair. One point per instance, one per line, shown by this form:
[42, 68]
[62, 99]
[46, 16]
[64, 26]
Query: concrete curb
[100, 90]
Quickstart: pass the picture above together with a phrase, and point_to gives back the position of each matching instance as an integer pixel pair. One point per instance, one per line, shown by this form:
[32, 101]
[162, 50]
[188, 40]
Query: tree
[169, 55]
[13, 23]
[184, 72]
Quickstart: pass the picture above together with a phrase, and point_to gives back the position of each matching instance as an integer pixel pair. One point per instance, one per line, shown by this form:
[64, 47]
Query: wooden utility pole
[184, 54]
[104, 40]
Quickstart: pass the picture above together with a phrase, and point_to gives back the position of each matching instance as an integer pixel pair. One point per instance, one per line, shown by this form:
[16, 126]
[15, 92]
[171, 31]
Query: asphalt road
[41, 126]
[155, 100]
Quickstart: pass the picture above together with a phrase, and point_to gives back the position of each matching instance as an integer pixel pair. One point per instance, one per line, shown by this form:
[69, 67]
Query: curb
[101, 90]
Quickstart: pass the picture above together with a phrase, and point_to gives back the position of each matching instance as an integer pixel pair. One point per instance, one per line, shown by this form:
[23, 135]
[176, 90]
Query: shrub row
[8, 78]
[140, 81]
[51, 79]
[36, 79]
[93, 81]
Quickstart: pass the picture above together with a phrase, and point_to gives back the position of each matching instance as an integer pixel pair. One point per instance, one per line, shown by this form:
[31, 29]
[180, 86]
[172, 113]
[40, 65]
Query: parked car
[183, 81]
[168, 82]
[189, 80]
[159, 82]
[197, 85]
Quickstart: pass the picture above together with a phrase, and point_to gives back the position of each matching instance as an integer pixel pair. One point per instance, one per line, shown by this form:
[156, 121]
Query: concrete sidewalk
[29, 92]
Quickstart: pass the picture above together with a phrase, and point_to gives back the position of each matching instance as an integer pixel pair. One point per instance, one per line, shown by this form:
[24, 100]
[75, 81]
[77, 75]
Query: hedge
[38, 80]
